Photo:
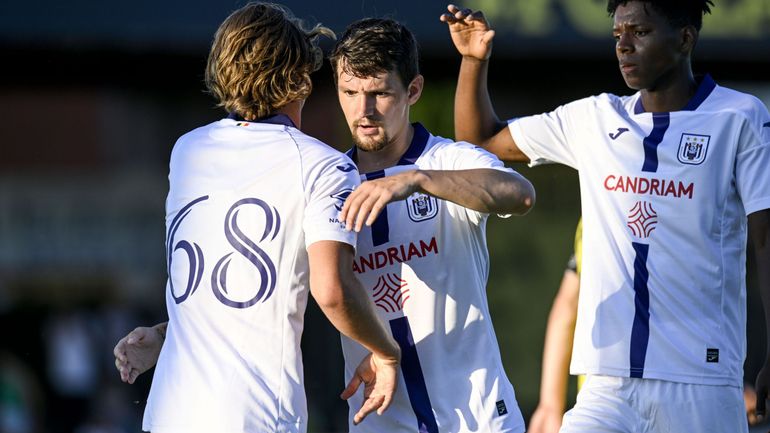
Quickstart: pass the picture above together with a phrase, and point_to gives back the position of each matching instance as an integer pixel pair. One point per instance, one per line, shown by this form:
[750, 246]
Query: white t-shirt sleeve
[752, 162]
[545, 138]
[329, 184]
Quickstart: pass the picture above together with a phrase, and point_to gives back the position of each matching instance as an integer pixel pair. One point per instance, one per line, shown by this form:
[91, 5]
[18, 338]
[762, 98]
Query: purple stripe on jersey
[640, 332]
[380, 228]
[413, 377]
[706, 86]
[660, 122]
[417, 146]
[275, 119]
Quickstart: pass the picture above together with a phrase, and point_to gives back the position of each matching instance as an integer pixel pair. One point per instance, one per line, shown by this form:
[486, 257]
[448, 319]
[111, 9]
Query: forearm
[475, 118]
[483, 190]
[557, 352]
[354, 316]
[759, 233]
[344, 301]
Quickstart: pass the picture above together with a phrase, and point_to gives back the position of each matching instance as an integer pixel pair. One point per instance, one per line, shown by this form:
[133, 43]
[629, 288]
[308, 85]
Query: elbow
[525, 198]
[329, 297]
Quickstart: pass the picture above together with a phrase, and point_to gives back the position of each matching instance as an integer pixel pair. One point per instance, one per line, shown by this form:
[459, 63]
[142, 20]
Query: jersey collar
[705, 88]
[416, 147]
[275, 119]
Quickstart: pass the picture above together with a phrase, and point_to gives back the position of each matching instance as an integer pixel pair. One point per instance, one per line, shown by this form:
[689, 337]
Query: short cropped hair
[375, 45]
[678, 13]
[261, 60]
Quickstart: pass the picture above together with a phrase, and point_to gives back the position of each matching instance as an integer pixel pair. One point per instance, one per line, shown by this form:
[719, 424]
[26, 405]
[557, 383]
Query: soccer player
[251, 224]
[421, 213]
[668, 177]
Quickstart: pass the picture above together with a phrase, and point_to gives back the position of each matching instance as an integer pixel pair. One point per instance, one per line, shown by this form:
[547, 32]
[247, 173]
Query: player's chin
[369, 143]
[633, 81]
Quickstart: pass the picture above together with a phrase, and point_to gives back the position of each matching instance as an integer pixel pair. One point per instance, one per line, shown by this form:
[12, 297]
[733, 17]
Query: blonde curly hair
[261, 60]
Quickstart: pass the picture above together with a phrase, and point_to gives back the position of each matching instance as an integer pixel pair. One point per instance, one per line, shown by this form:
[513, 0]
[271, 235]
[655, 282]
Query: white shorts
[608, 404]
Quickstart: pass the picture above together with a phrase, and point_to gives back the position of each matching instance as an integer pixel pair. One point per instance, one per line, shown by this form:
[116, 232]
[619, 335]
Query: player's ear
[688, 39]
[415, 88]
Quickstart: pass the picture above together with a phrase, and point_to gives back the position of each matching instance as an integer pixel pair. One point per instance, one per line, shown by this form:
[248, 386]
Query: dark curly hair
[679, 13]
[375, 45]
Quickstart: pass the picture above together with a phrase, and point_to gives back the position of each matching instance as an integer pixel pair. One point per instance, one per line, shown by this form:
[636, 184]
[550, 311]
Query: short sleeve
[545, 138]
[752, 176]
[329, 184]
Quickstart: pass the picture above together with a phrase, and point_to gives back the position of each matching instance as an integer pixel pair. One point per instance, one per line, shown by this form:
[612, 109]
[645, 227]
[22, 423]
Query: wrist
[161, 330]
[550, 406]
[475, 60]
[419, 178]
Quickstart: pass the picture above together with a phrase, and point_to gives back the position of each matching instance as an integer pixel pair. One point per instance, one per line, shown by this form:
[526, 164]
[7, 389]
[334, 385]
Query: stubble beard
[371, 144]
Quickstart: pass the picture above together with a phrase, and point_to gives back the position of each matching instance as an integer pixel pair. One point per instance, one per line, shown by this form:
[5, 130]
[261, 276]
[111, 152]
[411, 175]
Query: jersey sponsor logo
[614, 136]
[346, 168]
[392, 255]
[340, 197]
[642, 219]
[643, 185]
[693, 148]
[390, 293]
[421, 207]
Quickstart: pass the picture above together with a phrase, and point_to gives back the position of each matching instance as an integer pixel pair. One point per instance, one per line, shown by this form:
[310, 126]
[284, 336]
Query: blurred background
[93, 95]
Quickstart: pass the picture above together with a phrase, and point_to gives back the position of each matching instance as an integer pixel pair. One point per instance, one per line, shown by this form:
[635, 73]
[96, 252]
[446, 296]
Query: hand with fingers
[470, 32]
[379, 377]
[366, 202]
[138, 351]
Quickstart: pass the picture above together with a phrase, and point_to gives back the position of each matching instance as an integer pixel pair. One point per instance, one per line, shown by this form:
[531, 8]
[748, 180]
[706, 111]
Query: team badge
[693, 148]
[421, 207]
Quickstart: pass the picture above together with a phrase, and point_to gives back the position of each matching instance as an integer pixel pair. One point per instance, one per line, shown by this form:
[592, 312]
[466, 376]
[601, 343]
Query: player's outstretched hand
[380, 377]
[366, 202]
[545, 420]
[137, 352]
[470, 32]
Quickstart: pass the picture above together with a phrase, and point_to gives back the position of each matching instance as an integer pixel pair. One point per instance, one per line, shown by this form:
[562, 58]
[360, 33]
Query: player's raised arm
[759, 234]
[347, 305]
[475, 118]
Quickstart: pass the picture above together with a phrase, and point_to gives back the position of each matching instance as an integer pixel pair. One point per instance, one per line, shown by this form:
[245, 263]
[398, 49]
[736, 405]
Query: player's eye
[348, 92]
[641, 32]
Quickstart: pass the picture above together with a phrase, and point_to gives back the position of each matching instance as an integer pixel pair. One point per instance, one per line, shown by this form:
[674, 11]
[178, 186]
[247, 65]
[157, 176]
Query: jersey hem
[657, 375]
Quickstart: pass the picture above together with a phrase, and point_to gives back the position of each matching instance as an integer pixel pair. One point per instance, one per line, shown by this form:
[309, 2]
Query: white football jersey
[425, 264]
[245, 200]
[664, 198]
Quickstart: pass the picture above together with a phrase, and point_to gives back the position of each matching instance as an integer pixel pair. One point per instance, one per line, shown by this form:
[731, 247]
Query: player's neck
[388, 156]
[670, 94]
[294, 111]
